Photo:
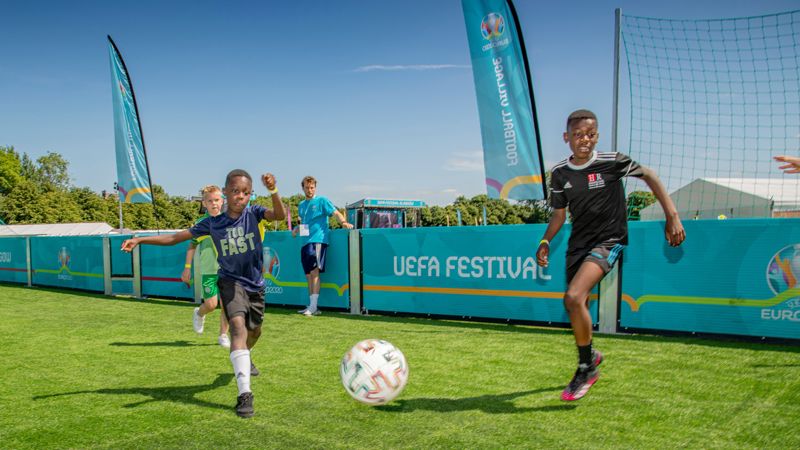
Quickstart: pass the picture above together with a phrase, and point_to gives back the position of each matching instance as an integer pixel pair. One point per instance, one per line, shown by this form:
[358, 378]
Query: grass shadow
[717, 341]
[168, 301]
[160, 344]
[772, 366]
[491, 404]
[510, 326]
[437, 321]
[731, 342]
[177, 394]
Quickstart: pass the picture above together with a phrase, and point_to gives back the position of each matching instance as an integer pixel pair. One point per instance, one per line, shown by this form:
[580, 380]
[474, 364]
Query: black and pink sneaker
[597, 357]
[583, 379]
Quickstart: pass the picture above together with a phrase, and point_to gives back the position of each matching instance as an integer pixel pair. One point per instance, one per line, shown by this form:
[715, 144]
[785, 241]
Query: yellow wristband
[187, 266]
[545, 242]
[273, 191]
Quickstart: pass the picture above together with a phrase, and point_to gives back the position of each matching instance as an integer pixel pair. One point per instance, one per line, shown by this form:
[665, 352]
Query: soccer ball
[374, 371]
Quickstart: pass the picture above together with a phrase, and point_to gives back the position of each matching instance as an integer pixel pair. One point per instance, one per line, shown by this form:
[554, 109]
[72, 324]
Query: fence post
[106, 265]
[608, 307]
[197, 277]
[354, 270]
[137, 273]
[28, 260]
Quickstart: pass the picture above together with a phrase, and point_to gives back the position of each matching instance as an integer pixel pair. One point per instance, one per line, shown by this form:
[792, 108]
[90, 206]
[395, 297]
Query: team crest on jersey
[595, 181]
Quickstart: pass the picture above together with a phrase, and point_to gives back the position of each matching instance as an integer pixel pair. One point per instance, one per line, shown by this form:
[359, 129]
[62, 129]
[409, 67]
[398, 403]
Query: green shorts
[210, 288]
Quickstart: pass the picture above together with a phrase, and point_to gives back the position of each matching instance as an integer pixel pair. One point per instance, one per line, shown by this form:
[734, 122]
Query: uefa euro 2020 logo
[63, 260]
[272, 266]
[63, 257]
[493, 26]
[783, 272]
[272, 262]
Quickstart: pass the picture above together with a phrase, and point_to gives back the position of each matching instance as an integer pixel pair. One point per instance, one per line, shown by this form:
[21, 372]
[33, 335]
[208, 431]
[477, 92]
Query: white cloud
[464, 162]
[415, 67]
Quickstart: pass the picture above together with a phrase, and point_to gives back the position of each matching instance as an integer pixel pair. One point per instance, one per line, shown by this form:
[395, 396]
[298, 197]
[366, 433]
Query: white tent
[57, 229]
[708, 198]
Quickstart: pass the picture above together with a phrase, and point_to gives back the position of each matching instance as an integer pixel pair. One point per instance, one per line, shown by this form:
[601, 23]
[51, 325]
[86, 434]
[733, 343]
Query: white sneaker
[198, 321]
[303, 311]
[310, 313]
[224, 341]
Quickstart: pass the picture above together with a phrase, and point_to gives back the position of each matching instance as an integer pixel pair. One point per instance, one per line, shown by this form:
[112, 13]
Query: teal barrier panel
[122, 287]
[486, 272]
[13, 260]
[161, 269]
[737, 277]
[284, 277]
[121, 265]
[121, 262]
[74, 262]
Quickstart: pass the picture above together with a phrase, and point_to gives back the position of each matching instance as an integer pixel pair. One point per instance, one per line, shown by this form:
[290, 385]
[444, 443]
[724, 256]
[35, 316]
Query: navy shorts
[604, 255]
[312, 255]
[236, 301]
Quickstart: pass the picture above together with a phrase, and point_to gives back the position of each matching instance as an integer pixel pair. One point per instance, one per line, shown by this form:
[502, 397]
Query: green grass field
[87, 371]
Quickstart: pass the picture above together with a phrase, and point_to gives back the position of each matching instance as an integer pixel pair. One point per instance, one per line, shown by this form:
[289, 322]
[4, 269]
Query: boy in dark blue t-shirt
[240, 256]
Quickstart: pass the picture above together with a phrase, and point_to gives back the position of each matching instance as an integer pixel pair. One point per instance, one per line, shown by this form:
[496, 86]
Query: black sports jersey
[594, 194]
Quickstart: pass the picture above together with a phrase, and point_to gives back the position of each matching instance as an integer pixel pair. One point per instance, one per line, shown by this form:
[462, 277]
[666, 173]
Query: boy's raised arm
[277, 212]
[673, 230]
[163, 239]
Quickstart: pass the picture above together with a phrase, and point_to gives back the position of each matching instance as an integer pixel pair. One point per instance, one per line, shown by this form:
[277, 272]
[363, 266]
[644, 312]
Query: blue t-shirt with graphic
[315, 213]
[238, 243]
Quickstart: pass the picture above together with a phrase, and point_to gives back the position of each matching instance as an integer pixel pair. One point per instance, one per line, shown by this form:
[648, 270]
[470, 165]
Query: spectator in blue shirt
[313, 230]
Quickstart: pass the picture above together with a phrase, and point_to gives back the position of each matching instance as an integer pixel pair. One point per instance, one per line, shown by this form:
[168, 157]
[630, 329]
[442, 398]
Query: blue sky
[373, 98]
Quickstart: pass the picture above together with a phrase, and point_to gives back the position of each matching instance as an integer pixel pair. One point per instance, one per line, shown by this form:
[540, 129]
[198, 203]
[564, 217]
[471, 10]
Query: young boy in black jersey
[590, 185]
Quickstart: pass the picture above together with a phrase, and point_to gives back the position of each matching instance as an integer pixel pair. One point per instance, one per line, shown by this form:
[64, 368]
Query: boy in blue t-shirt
[313, 229]
[240, 256]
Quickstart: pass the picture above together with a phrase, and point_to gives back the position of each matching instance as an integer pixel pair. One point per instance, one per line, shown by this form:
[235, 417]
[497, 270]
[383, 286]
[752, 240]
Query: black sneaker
[244, 405]
[254, 372]
[583, 379]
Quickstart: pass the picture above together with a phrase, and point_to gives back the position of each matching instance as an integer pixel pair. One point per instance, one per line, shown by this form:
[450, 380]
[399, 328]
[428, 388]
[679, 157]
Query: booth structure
[385, 213]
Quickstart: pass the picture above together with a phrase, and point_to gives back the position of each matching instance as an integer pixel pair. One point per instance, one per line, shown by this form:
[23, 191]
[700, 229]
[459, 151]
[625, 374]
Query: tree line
[40, 191]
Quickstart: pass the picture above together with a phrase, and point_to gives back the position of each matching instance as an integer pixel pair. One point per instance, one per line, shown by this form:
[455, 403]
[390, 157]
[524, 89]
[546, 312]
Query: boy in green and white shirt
[212, 202]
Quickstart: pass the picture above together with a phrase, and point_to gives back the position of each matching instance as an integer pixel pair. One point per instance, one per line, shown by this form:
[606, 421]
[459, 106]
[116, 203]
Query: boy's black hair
[237, 173]
[580, 115]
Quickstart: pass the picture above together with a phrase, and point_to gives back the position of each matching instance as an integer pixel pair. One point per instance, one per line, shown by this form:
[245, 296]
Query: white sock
[241, 369]
[313, 298]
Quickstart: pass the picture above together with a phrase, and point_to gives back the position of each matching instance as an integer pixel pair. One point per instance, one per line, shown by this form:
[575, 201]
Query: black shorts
[604, 255]
[237, 301]
[312, 255]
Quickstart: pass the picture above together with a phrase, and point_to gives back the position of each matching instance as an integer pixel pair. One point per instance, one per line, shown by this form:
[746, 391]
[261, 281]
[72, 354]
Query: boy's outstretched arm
[164, 239]
[792, 163]
[556, 222]
[673, 231]
[277, 212]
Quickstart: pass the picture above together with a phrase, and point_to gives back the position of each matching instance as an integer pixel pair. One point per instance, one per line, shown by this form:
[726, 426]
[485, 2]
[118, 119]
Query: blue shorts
[604, 255]
[312, 255]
